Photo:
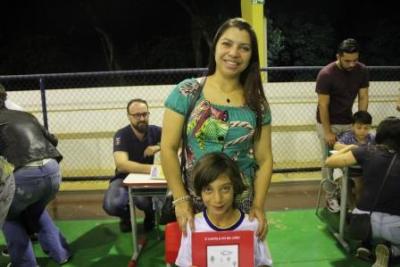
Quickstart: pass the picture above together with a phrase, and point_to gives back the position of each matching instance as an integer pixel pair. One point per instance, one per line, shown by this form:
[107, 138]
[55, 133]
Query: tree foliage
[91, 35]
[297, 41]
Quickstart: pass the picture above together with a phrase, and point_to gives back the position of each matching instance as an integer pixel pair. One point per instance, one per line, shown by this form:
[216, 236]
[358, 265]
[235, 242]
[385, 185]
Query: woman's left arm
[263, 156]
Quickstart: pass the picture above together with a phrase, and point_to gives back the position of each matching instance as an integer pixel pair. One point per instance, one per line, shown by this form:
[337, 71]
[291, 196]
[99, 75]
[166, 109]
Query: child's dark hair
[210, 166]
[362, 117]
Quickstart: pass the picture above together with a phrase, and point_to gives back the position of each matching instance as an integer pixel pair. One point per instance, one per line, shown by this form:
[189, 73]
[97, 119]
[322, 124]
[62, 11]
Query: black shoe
[5, 252]
[149, 222]
[34, 237]
[125, 226]
[364, 253]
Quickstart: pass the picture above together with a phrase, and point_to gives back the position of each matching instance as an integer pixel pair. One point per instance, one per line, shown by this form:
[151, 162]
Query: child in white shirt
[218, 181]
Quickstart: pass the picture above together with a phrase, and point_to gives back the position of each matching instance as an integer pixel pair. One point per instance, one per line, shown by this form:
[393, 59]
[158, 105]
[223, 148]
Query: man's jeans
[336, 129]
[35, 188]
[116, 201]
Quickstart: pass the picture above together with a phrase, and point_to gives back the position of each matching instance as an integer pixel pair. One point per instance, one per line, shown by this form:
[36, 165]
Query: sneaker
[4, 252]
[65, 261]
[337, 174]
[364, 254]
[125, 226]
[382, 254]
[332, 204]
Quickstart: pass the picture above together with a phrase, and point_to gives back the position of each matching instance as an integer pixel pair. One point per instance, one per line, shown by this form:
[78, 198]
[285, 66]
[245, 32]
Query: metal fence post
[44, 103]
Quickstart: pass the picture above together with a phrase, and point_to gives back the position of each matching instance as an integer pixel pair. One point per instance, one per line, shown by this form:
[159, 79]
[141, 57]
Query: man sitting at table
[134, 148]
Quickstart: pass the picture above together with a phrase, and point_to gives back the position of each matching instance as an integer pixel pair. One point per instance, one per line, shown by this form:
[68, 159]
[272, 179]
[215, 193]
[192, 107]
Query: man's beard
[141, 127]
[344, 68]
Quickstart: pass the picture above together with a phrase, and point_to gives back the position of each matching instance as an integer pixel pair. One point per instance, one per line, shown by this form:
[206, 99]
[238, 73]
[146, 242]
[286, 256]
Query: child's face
[361, 131]
[218, 196]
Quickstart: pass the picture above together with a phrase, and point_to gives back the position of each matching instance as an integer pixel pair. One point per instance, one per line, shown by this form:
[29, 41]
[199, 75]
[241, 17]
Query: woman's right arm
[342, 158]
[170, 142]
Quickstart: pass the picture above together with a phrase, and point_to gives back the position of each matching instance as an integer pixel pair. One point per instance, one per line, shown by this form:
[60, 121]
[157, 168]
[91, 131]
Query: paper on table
[139, 179]
[156, 172]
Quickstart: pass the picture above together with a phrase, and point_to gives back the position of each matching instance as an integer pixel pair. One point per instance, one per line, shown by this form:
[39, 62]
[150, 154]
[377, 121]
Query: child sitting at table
[218, 181]
[358, 135]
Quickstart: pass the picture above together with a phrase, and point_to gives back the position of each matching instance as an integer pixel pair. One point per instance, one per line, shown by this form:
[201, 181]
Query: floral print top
[213, 127]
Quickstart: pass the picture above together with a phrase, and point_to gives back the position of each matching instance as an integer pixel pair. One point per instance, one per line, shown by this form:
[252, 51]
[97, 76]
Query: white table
[141, 185]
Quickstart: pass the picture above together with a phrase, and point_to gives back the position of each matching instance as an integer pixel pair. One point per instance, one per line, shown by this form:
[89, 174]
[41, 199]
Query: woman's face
[233, 52]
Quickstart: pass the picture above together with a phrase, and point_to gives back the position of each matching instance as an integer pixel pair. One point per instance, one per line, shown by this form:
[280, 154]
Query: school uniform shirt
[214, 127]
[202, 223]
[349, 138]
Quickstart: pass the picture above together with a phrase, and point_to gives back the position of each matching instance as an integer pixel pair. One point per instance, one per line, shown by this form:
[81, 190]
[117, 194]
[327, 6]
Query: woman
[231, 115]
[375, 160]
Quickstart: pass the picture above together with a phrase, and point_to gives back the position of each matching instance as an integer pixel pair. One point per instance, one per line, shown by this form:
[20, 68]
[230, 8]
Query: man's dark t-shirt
[342, 87]
[125, 140]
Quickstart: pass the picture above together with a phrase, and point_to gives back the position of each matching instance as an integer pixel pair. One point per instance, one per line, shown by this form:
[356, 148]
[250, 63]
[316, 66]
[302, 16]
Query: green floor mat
[296, 238]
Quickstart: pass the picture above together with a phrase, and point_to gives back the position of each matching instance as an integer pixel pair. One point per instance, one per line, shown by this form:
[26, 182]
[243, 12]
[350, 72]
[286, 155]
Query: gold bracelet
[184, 198]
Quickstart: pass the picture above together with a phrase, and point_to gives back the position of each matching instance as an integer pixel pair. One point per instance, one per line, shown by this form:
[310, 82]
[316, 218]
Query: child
[218, 181]
[358, 135]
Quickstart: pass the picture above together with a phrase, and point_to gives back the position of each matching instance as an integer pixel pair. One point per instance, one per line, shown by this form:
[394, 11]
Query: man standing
[337, 86]
[134, 148]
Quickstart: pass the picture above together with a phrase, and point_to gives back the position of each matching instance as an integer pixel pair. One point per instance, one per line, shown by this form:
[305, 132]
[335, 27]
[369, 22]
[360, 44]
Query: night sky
[50, 36]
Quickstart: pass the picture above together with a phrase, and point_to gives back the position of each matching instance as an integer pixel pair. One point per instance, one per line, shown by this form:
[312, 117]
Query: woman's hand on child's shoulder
[184, 215]
[259, 214]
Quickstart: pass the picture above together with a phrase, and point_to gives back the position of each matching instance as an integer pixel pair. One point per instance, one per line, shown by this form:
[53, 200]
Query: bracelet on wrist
[180, 199]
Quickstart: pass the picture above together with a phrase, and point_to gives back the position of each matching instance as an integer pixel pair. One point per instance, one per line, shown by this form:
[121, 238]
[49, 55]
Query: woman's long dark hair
[388, 133]
[250, 78]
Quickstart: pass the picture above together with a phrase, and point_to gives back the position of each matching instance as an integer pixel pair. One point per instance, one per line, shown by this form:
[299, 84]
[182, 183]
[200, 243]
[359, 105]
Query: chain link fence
[85, 109]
